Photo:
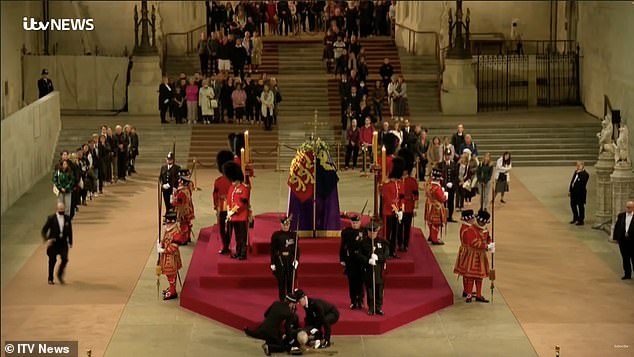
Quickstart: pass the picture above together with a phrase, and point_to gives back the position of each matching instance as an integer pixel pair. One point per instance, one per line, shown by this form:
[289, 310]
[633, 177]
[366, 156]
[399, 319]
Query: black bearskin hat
[238, 144]
[233, 171]
[222, 158]
[483, 217]
[407, 156]
[398, 166]
[390, 141]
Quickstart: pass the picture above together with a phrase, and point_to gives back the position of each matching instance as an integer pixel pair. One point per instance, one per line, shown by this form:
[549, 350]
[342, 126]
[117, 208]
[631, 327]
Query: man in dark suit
[449, 170]
[279, 320]
[58, 235]
[169, 179]
[44, 84]
[577, 193]
[624, 234]
[165, 96]
[319, 314]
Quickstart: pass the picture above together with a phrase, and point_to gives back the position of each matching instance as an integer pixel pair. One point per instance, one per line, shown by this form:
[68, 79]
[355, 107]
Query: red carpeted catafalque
[237, 293]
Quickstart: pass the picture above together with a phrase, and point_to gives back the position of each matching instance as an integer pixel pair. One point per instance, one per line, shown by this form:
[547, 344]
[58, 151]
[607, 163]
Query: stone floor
[557, 284]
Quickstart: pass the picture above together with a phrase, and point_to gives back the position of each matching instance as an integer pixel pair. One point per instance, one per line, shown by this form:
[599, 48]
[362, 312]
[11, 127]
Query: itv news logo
[31, 24]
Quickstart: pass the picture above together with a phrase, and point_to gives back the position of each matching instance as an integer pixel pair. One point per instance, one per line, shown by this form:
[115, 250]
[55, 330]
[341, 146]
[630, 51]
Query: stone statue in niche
[621, 150]
[606, 144]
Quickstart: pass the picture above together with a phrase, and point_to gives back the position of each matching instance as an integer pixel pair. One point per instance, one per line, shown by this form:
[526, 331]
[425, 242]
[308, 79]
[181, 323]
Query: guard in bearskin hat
[238, 207]
[392, 196]
[410, 201]
[183, 206]
[473, 264]
[390, 141]
[435, 210]
[221, 191]
[170, 258]
[284, 257]
[349, 258]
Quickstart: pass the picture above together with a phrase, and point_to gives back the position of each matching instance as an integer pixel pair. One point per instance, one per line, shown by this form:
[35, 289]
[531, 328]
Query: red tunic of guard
[221, 191]
[392, 194]
[182, 203]
[238, 198]
[435, 211]
[410, 190]
[170, 259]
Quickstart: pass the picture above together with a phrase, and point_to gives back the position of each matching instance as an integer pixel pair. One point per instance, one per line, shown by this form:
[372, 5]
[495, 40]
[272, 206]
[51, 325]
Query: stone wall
[29, 138]
[605, 31]
[13, 37]
[486, 16]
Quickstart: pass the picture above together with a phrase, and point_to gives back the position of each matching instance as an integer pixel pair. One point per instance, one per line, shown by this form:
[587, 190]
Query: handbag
[502, 177]
[213, 103]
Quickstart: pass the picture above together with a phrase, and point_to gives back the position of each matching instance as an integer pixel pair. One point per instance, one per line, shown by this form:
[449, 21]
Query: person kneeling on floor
[319, 314]
[279, 320]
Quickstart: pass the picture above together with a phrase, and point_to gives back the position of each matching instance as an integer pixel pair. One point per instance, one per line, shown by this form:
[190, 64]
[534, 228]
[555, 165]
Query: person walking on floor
[623, 233]
[58, 235]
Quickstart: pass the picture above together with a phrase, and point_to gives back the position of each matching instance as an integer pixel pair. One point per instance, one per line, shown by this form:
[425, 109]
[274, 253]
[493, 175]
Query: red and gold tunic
[170, 261]
[239, 197]
[410, 190]
[183, 205]
[221, 190]
[392, 194]
[472, 260]
[435, 211]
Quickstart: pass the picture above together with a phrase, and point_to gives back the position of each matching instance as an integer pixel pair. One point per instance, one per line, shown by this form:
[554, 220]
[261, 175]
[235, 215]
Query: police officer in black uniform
[169, 179]
[284, 260]
[351, 238]
[279, 320]
[374, 253]
[44, 84]
[320, 315]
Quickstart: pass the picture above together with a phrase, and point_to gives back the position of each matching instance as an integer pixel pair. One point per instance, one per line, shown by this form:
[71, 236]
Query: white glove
[313, 331]
[374, 257]
[171, 199]
[491, 247]
[295, 264]
[446, 195]
[272, 267]
[159, 248]
[166, 186]
[399, 215]
[230, 213]
[372, 262]
[450, 185]
[343, 264]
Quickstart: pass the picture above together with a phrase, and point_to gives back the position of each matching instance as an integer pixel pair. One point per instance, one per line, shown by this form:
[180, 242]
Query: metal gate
[502, 81]
[558, 78]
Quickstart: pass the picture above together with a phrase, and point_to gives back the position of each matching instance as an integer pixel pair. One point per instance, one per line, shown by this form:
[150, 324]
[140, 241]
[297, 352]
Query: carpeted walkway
[236, 293]
[111, 245]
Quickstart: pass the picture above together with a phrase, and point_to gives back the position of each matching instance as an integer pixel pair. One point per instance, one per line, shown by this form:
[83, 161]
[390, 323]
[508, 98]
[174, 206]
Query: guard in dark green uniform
[284, 257]
[374, 253]
[349, 258]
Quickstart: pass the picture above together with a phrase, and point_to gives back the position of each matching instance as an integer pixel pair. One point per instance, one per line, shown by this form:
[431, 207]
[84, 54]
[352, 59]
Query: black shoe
[360, 305]
[370, 312]
[625, 277]
[234, 256]
[580, 223]
[429, 239]
[224, 251]
[468, 299]
[265, 348]
[573, 221]
[242, 258]
[502, 201]
[438, 243]
[481, 299]
[51, 282]
[325, 344]
[380, 312]
[353, 306]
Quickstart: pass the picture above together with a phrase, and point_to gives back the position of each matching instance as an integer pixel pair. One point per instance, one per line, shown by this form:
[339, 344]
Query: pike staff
[296, 248]
[158, 242]
[492, 270]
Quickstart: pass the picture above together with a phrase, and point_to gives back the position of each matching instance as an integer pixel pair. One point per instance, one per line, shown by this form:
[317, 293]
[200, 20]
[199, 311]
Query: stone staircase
[189, 64]
[421, 75]
[155, 139]
[545, 137]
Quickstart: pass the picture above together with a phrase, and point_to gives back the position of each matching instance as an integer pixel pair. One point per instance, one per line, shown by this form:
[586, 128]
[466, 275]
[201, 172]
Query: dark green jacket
[484, 173]
[64, 180]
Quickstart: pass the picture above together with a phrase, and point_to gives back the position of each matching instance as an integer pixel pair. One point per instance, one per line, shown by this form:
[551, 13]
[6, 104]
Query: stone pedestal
[604, 168]
[622, 187]
[145, 79]
[459, 95]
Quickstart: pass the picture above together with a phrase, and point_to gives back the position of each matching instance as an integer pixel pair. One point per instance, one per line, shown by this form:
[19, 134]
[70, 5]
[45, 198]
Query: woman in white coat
[207, 102]
[502, 175]
[267, 98]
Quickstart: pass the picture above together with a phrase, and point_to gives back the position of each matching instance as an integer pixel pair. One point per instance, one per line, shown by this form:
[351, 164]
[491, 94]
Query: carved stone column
[604, 168]
[622, 187]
